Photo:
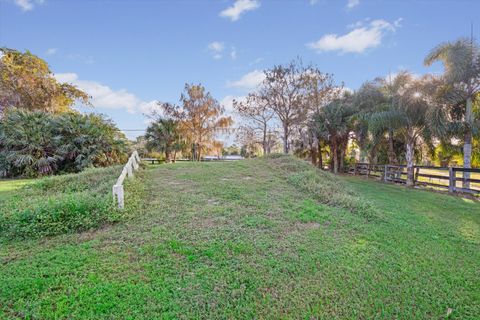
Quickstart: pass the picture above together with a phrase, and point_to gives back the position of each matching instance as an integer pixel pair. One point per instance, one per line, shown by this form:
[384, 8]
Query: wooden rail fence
[132, 164]
[429, 176]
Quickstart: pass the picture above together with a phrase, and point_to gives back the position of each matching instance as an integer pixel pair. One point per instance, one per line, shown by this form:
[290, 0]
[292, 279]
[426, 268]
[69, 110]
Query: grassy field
[7, 187]
[60, 204]
[265, 239]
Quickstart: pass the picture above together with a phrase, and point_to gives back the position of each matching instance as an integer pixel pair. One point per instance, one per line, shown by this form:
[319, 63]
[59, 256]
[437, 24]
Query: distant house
[232, 158]
[225, 158]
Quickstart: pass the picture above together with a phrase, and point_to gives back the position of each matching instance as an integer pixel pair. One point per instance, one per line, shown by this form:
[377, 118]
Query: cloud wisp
[248, 81]
[216, 49]
[352, 4]
[27, 5]
[51, 51]
[358, 40]
[239, 8]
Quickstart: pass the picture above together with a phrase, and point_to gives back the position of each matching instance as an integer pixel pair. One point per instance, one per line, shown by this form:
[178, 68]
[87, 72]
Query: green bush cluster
[66, 204]
[35, 143]
[324, 186]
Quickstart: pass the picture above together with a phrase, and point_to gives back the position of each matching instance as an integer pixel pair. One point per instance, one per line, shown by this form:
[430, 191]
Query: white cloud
[313, 2]
[227, 102]
[105, 97]
[233, 53]
[358, 40]
[216, 49]
[69, 77]
[256, 61]
[352, 3]
[398, 23]
[27, 5]
[249, 81]
[216, 46]
[51, 51]
[239, 7]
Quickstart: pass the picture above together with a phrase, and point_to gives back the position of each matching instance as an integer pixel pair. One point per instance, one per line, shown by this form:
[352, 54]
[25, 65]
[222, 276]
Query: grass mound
[236, 240]
[65, 204]
[323, 186]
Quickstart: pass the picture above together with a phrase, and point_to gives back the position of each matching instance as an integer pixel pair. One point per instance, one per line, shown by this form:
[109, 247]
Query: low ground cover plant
[65, 204]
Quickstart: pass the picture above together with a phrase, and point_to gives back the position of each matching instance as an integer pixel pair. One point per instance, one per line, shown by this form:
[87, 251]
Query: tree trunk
[335, 157]
[320, 157]
[286, 148]
[264, 142]
[467, 145]
[392, 158]
[167, 155]
[312, 144]
[409, 156]
[174, 156]
[341, 161]
[313, 155]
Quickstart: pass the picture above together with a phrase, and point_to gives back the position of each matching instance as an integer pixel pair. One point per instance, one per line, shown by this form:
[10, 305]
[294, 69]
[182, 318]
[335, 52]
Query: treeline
[189, 128]
[40, 133]
[398, 119]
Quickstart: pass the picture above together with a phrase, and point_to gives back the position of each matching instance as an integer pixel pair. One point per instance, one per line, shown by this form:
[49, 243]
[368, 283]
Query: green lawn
[264, 239]
[7, 187]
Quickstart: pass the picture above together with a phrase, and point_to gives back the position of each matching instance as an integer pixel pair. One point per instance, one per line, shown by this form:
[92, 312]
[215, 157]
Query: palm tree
[369, 99]
[88, 140]
[332, 123]
[413, 113]
[27, 143]
[163, 135]
[461, 60]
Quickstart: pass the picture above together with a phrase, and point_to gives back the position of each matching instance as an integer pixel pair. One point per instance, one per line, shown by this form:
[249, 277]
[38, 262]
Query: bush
[38, 143]
[66, 204]
[324, 186]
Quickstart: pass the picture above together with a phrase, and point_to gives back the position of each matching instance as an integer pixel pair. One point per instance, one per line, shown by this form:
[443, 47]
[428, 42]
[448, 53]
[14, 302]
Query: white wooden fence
[117, 190]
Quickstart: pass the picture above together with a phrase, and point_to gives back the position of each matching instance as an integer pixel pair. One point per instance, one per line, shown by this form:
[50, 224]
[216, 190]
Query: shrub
[38, 143]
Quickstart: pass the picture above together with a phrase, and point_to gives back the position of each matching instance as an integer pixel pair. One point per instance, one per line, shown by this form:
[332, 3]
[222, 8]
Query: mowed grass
[8, 186]
[63, 204]
[248, 240]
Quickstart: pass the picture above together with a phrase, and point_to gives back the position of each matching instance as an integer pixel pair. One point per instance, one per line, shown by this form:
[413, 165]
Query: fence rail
[132, 165]
[428, 176]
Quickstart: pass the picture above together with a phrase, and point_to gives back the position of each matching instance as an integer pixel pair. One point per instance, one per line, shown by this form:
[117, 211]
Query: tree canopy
[26, 82]
[200, 117]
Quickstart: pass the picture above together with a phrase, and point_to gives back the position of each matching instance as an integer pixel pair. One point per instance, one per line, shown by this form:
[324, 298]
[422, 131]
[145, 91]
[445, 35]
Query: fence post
[368, 170]
[129, 169]
[415, 177]
[121, 203]
[451, 179]
[355, 169]
[386, 172]
[135, 163]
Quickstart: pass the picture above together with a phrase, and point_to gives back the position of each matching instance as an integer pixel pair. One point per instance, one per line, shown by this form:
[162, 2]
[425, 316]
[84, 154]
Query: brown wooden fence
[447, 178]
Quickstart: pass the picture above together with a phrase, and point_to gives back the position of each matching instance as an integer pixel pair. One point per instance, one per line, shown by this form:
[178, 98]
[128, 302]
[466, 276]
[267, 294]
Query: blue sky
[128, 54]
